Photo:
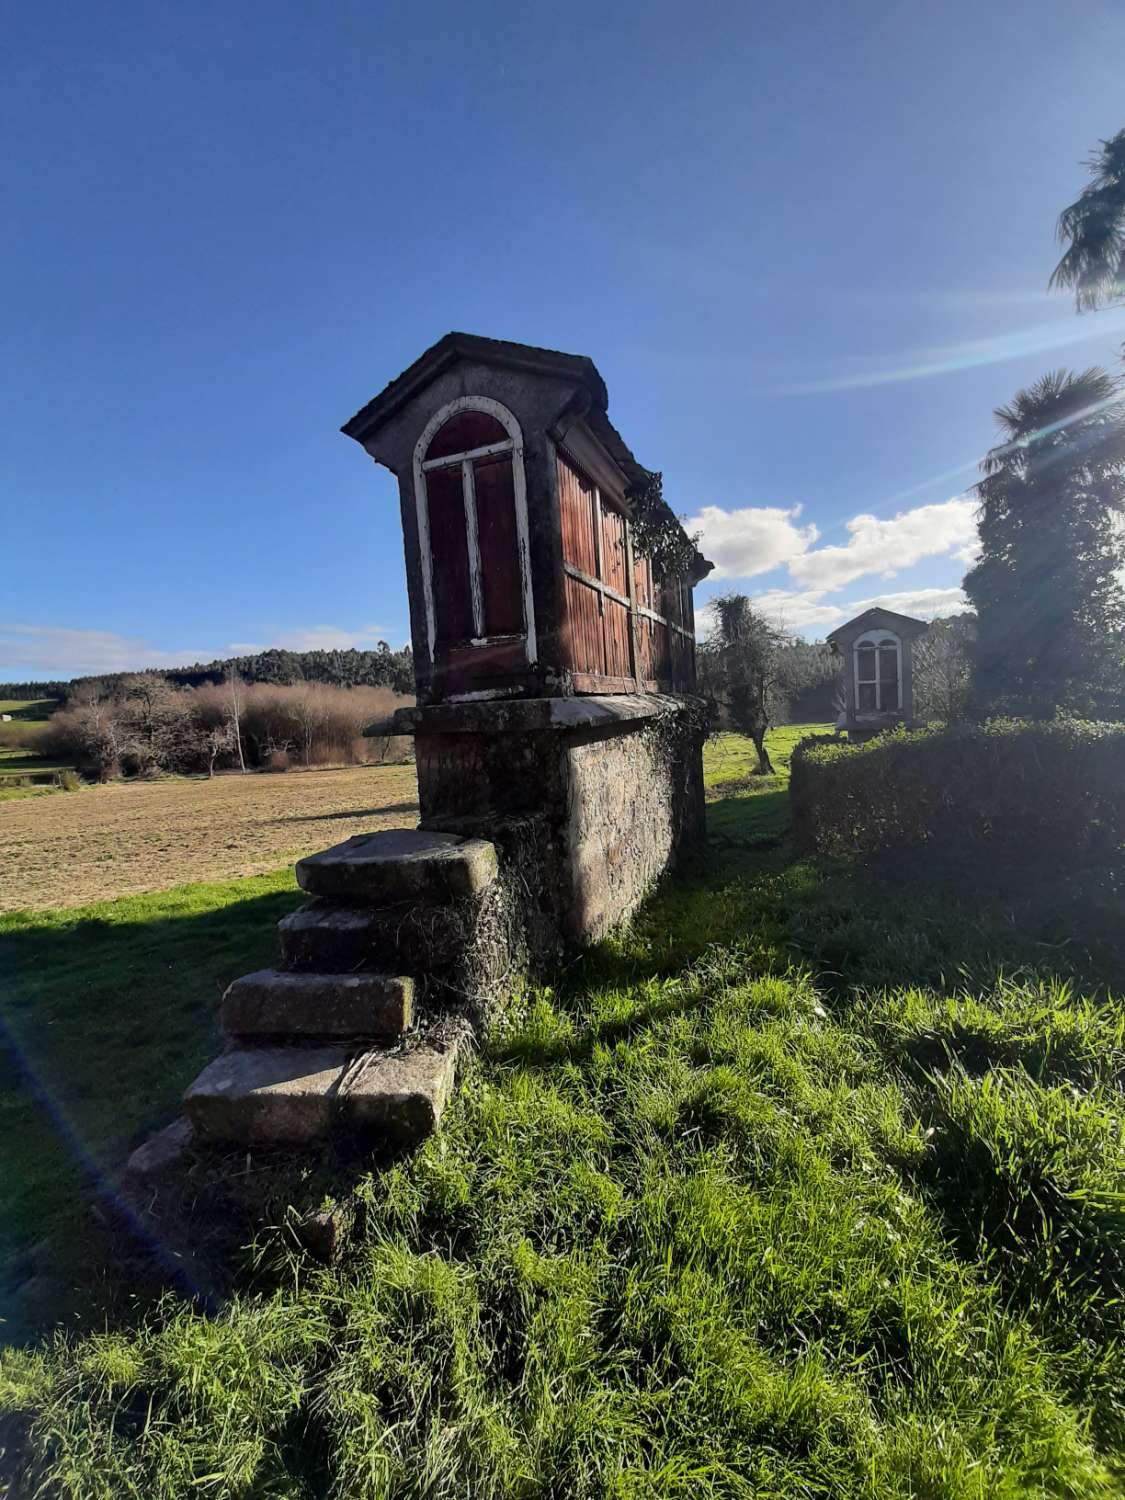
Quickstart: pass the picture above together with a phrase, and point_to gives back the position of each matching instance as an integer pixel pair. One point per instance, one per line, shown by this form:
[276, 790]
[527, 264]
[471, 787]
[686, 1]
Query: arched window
[472, 528]
[878, 672]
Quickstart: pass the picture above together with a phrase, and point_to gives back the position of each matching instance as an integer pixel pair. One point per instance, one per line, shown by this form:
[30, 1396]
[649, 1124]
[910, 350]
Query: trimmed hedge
[1057, 786]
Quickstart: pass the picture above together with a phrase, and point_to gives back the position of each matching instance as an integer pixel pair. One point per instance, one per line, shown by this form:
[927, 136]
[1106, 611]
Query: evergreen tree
[1047, 588]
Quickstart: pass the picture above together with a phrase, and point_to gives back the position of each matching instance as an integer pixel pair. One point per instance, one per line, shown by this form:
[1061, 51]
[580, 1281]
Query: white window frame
[877, 638]
[513, 444]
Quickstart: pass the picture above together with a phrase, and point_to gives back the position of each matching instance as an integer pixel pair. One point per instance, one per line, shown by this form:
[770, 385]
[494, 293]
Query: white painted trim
[457, 458]
[519, 483]
[877, 638]
[472, 544]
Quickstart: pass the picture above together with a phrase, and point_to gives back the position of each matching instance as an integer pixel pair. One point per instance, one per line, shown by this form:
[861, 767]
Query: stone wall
[635, 799]
[592, 799]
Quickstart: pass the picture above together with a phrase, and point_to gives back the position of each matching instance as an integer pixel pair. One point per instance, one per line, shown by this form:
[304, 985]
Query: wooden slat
[618, 656]
[582, 630]
[494, 486]
[622, 625]
[576, 511]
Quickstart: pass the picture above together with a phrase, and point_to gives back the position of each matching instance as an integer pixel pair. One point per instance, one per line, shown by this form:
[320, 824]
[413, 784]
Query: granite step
[332, 1007]
[292, 1095]
[398, 864]
[330, 937]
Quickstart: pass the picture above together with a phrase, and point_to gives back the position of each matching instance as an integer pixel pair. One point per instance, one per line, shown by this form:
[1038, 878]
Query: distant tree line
[351, 668]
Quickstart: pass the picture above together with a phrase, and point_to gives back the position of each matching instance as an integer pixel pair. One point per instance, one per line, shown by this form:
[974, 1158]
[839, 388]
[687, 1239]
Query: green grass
[18, 757]
[26, 763]
[752, 810]
[35, 710]
[12, 790]
[106, 1013]
[804, 1187]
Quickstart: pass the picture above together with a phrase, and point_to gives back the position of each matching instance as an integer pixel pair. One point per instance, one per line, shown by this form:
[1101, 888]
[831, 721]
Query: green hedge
[1059, 787]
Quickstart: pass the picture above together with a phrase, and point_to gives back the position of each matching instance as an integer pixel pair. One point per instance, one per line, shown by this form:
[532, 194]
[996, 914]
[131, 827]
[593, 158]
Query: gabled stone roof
[578, 368]
[877, 618]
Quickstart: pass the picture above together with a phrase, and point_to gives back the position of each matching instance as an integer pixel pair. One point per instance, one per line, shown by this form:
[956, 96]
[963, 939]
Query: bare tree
[234, 709]
[307, 716]
[216, 741]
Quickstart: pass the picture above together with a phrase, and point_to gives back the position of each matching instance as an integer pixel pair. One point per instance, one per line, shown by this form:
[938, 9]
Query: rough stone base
[614, 787]
[161, 1152]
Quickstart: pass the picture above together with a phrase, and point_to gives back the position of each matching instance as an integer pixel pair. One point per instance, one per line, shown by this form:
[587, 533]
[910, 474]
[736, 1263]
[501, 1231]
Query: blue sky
[807, 245]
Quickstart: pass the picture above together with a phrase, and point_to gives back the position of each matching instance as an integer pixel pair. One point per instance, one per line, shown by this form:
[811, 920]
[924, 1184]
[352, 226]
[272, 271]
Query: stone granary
[877, 650]
[558, 747]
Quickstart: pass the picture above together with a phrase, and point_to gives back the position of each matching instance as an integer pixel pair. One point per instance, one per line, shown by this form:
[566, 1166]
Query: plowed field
[91, 845]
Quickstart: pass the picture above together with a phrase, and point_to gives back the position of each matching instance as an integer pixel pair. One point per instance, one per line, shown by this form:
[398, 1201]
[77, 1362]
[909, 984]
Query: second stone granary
[877, 648]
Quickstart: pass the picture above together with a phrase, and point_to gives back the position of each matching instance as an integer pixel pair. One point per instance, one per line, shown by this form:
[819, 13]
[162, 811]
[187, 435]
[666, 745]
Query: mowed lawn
[103, 842]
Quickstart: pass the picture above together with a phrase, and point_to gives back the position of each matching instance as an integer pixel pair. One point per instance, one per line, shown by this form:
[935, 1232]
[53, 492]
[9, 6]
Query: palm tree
[1046, 588]
[1094, 263]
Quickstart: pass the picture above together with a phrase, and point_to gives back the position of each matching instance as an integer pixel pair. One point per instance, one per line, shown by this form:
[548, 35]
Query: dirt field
[72, 848]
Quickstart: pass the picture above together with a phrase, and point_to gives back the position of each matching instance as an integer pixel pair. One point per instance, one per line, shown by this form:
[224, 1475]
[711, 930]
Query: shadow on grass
[104, 1021]
[362, 812]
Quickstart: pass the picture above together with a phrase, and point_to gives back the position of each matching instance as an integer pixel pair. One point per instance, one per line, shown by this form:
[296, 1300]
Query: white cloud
[55, 650]
[28, 651]
[755, 539]
[794, 610]
[787, 608]
[925, 604]
[798, 611]
[886, 547]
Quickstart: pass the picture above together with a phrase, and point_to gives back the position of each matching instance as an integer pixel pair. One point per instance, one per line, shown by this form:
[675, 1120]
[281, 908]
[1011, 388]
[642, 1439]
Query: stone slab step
[329, 937]
[290, 1095]
[335, 1007]
[398, 864]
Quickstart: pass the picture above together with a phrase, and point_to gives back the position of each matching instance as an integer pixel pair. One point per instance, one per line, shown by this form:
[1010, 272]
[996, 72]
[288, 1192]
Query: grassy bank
[812, 1185]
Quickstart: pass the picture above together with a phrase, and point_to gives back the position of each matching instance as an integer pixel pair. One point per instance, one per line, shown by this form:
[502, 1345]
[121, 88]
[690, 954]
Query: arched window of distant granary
[878, 673]
[472, 526]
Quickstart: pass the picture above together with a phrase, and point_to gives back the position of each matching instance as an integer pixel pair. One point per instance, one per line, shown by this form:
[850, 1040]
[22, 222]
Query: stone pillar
[590, 798]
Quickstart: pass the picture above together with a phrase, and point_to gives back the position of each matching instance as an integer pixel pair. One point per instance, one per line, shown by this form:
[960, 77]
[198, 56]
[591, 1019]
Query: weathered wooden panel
[646, 658]
[642, 582]
[661, 654]
[492, 659]
[614, 564]
[464, 432]
[501, 584]
[608, 647]
[453, 608]
[583, 644]
[618, 655]
[576, 510]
